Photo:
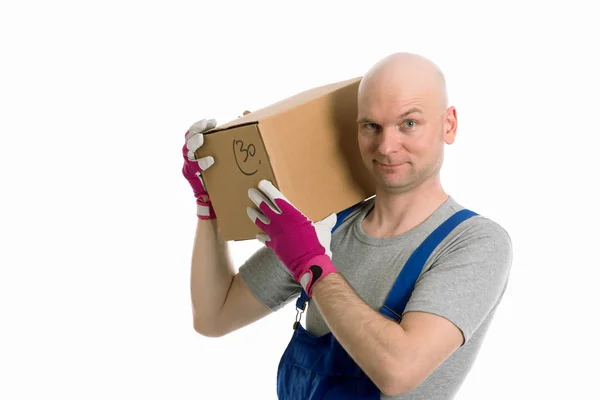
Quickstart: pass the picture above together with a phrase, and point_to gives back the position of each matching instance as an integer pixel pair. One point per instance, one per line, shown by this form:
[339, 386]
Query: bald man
[406, 286]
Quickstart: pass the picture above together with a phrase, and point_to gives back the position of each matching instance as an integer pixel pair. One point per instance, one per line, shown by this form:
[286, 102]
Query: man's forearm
[375, 342]
[211, 276]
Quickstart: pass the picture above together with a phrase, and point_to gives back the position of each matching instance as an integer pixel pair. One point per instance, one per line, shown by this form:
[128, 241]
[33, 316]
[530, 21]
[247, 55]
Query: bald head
[404, 122]
[405, 74]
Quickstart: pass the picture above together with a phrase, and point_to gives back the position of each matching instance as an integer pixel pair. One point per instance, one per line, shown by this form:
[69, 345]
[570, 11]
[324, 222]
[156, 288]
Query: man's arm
[221, 301]
[397, 357]
[449, 301]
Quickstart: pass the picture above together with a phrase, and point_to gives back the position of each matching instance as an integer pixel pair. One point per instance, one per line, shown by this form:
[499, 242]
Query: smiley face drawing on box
[245, 157]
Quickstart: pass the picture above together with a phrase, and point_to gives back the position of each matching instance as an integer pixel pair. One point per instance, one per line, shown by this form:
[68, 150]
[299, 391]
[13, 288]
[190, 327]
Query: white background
[97, 222]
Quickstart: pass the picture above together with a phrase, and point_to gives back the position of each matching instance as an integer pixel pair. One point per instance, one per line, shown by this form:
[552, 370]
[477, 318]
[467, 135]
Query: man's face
[401, 137]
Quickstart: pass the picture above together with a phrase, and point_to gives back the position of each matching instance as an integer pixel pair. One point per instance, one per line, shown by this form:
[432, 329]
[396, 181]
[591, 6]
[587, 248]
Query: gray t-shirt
[463, 281]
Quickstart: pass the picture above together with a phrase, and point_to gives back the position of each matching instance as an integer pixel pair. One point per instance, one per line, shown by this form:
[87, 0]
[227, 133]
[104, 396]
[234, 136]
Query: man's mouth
[385, 165]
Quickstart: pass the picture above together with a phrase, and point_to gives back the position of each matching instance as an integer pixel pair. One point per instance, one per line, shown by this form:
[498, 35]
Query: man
[421, 350]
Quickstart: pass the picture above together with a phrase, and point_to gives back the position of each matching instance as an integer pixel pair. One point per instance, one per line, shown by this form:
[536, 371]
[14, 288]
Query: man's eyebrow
[410, 111]
[365, 120]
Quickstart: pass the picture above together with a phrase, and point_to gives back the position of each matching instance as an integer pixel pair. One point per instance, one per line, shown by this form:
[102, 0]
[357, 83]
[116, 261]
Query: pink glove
[303, 247]
[193, 168]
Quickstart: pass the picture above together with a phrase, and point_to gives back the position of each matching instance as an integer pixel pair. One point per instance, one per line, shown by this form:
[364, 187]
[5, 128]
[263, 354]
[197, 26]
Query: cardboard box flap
[284, 105]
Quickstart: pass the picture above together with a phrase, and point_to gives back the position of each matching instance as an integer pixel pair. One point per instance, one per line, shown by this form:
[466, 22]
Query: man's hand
[193, 168]
[303, 247]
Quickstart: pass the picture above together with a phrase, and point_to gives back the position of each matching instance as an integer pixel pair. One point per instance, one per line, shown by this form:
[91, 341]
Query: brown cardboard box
[306, 145]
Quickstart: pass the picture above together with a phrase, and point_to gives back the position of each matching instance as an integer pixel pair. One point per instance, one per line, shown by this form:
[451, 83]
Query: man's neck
[397, 213]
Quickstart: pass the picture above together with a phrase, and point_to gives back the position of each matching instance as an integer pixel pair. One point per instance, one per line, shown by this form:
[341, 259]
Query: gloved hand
[303, 247]
[193, 168]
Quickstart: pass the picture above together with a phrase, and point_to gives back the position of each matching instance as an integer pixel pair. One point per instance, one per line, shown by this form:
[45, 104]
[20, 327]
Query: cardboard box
[306, 145]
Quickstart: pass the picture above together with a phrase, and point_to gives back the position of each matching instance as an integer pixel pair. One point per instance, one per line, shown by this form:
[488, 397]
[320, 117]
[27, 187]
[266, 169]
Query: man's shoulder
[478, 239]
[480, 225]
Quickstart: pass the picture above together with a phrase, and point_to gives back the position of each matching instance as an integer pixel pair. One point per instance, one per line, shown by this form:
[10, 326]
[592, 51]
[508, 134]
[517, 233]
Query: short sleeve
[269, 280]
[468, 278]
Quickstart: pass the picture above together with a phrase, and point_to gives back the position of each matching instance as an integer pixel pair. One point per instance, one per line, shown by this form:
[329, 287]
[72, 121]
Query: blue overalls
[318, 367]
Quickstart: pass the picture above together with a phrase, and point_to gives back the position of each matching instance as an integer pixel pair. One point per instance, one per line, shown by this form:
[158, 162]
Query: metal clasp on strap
[299, 310]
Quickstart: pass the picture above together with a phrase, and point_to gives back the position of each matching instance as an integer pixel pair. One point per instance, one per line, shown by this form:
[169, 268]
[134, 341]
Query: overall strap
[402, 289]
[341, 216]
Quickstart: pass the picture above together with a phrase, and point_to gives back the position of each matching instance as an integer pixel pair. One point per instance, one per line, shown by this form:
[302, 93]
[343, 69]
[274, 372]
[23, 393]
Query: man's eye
[370, 127]
[410, 123]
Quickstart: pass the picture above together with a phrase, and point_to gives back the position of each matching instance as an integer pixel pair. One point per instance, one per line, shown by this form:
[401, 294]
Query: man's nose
[389, 141]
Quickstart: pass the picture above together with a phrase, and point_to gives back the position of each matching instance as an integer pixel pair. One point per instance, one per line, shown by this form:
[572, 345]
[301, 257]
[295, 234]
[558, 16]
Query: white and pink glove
[193, 168]
[301, 245]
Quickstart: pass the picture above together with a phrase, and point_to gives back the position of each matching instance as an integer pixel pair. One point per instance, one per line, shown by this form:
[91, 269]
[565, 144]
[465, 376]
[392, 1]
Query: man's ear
[450, 125]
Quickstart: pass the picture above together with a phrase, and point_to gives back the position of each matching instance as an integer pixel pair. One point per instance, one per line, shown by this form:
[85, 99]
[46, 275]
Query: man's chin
[393, 184]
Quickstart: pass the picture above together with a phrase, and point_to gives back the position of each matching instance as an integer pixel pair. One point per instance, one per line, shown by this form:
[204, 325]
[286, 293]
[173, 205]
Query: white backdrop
[97, 222]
